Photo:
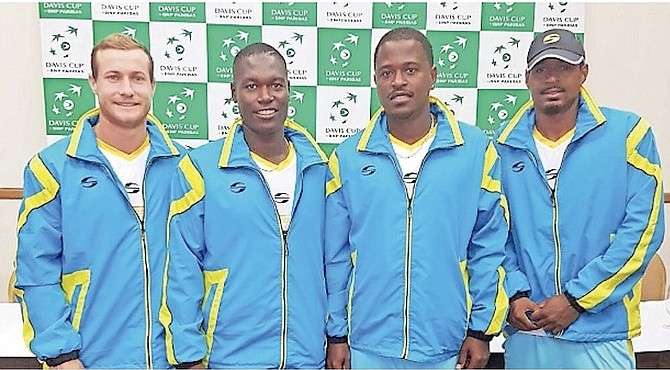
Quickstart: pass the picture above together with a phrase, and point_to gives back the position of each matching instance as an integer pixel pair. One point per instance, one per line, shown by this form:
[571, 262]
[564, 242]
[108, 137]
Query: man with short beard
[584, 187]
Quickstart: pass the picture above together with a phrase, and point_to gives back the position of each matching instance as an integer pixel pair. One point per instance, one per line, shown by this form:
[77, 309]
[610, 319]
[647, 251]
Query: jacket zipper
[284, 268]
[145, 263]
[408, 251]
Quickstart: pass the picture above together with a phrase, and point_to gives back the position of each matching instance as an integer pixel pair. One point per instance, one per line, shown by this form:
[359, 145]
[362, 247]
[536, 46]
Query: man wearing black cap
[584, 188]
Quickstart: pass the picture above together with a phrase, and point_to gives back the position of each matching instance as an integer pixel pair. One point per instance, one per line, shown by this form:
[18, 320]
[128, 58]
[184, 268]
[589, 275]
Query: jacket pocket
[75, 285]
[214, 284]
[463, 265]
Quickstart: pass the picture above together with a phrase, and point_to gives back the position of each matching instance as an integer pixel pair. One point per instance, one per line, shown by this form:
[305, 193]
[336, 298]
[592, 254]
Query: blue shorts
[524, 351]
[363, 360]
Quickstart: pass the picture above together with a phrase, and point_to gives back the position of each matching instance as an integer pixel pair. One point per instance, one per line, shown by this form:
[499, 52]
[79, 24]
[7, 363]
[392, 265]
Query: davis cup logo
[230, 109]
[501, 110]
[288, 47]
[341, 108]
[63, 103]
[130, 32]
[506, 7]
[232, 45]
[559, 7]
[178, 106]
[296, 97]
[502, 56]
[340, 52]
[61, 42]
[175, 45]
[451, 52]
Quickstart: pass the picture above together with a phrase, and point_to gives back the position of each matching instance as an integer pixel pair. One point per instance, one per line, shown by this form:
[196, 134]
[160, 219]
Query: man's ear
[232, 92]
[92, 83]
[585, 72]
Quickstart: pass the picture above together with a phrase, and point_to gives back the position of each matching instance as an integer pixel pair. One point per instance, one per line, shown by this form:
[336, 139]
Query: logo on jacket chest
[368, 170]
[89, 182]
[518, 166]
[238, 187]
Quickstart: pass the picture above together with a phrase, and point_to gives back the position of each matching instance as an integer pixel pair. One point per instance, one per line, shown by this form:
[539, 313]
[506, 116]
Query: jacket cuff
[61, 359]
[573, 302]
[188, 365]
[479, 335]
[342, 339]
[518, 295]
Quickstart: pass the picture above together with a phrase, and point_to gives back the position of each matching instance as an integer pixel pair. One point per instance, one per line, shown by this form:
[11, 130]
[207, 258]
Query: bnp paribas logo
[344, 57]
[399, 14]
[504, 53]
[341, 108]
[62, 42]
[182, 108]
[497, 107]
[509, 16]
[457, 57]
[66, 100]
[223, 44]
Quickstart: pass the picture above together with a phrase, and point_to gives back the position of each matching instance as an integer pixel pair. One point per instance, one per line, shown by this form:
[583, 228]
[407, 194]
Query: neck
[412, 129]
[125, 139]
[555, 126]
[273, 148]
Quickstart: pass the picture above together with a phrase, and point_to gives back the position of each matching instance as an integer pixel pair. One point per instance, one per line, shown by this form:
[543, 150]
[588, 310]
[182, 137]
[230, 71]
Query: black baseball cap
[555, 43]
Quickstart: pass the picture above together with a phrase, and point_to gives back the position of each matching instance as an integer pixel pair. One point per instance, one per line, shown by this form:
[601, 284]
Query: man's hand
[72, 364]
[517, 314]
[555, 314]
[337, 356]
[474, 354]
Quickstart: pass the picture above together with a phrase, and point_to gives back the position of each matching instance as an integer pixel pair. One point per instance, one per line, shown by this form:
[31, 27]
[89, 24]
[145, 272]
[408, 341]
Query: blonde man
[91, 227]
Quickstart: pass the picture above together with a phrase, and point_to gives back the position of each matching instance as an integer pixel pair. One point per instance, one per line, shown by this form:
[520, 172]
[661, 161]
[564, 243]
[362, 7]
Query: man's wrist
[63, 358]
[333, 340]
[188, 365]
[573, 302]
[519, 295]
[479, 335]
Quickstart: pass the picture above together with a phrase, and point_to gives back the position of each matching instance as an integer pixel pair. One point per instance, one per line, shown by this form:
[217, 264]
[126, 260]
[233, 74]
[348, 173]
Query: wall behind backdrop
[629, 70]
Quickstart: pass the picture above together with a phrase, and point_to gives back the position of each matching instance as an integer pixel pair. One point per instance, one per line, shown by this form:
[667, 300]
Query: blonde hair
[119, 41]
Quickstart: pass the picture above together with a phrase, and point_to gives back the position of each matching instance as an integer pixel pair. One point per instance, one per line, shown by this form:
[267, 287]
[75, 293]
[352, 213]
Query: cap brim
[564, 55]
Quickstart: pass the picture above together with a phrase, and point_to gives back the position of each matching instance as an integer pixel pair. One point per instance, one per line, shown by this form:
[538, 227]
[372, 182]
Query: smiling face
[404, 78]
[123, 85]
[261, 90]
[554, 85]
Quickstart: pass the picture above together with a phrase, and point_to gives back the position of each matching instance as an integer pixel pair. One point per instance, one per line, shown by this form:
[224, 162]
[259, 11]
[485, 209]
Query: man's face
[554, 85]
[123, 85]
[260, 88]
[404, 78]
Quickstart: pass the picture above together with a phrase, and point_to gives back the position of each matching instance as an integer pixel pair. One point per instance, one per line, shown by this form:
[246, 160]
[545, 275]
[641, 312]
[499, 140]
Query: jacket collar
[375, 136]
[235, 151]
[519, 131]
[83, 142]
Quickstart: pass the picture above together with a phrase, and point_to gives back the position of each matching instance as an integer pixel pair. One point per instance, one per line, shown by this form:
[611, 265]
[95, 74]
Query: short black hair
[406, 33]
[255, 49]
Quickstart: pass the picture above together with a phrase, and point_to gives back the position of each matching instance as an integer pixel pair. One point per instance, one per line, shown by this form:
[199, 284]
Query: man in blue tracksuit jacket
[584, 187]
[244, 284]
[91, 227]
[415, 228]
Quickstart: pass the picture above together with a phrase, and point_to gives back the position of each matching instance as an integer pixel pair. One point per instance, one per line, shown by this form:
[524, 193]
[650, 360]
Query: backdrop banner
[479, 51]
